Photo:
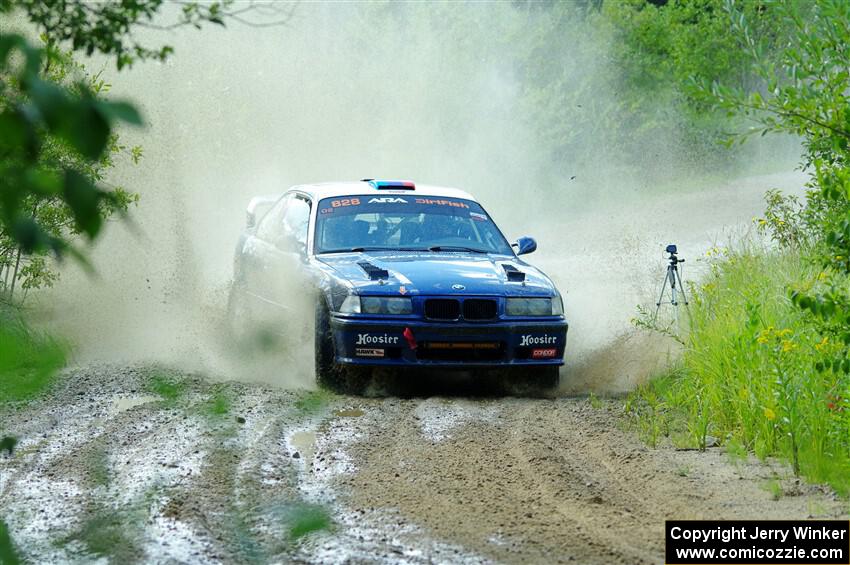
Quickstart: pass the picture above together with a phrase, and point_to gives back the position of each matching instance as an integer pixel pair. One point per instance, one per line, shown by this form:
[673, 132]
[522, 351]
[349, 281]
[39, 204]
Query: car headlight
[385, 305]
[534, 306]
[393, 305]
[351, 305]
[558, 305]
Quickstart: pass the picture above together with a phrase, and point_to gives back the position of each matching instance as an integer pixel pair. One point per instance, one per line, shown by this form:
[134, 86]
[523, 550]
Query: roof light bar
[391, 184]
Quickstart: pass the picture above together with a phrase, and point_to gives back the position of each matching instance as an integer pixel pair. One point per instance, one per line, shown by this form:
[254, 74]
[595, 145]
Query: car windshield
[402, 222]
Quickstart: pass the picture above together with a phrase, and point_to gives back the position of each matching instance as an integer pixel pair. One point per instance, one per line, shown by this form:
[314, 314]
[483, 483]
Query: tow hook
[411, 341]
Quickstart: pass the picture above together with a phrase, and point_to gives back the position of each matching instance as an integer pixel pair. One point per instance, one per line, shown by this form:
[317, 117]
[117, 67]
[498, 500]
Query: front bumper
[378, 342]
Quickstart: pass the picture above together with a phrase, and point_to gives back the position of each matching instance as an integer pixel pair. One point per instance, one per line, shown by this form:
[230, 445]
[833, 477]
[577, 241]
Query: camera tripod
[674, 279]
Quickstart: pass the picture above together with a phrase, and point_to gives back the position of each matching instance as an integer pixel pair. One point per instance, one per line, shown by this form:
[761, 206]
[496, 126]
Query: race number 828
[345, 202]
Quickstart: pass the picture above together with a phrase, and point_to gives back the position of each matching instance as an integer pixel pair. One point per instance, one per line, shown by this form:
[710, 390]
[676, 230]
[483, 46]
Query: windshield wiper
[455, 248]
[362, 249]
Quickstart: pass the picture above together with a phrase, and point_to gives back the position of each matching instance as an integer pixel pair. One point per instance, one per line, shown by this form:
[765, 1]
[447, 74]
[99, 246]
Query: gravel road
[114, 464]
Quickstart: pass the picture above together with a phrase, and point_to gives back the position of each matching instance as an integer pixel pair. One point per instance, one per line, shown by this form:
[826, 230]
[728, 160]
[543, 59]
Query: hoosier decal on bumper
[369, 339]
[537, 340]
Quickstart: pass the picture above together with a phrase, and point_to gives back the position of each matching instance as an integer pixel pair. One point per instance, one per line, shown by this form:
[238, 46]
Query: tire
[545, 378]
[238, 316]
[324, 349]
[330, 374]
[531, 381]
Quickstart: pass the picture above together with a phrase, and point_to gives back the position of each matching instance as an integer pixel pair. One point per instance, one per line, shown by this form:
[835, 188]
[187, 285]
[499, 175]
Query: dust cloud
[433, 92]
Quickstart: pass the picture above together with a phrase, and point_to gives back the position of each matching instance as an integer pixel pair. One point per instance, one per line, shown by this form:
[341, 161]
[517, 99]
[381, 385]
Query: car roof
[363, 188]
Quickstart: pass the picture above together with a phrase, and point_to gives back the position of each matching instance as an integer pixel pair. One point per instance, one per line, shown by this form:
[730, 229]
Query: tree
[807, 93]
[57, 134]
[20, 270]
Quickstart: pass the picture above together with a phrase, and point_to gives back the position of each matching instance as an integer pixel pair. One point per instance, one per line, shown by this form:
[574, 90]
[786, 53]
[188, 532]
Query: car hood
[438, 273]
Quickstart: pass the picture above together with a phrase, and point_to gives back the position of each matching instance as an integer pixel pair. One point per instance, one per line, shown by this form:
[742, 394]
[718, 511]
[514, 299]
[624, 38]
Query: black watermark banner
[757, 542]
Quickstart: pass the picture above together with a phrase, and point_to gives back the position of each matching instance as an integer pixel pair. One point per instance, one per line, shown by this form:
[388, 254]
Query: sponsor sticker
[387, 200]
[440, 202]
[369, 339]
[368, 352]
[478, 217]
[402, 289]
[327, 210]
[543, 353]
[345, 202]
[537, 340]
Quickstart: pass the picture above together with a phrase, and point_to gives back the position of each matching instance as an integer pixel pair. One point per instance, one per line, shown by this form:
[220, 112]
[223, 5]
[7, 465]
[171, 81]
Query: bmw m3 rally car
[401, 276]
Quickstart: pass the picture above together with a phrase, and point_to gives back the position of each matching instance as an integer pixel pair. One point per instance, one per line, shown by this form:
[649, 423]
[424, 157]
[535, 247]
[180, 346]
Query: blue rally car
[403, 276]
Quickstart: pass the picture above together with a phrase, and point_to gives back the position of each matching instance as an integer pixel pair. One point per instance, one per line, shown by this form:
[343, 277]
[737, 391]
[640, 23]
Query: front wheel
[238, 315]
[329, 373]
[531, 381]
[545, 378]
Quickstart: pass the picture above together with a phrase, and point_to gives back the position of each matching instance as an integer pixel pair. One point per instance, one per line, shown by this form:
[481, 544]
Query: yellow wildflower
[788, 345]
[784, 332]
[769, 414]
[823, 344]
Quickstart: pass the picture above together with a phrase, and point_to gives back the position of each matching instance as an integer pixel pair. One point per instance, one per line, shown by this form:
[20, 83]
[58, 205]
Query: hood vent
[375, 273]
[514, 274]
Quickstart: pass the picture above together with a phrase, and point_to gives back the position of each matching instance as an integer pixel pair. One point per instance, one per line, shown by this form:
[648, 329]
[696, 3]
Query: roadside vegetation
[29, 359]
[751, 377]
[765, 367]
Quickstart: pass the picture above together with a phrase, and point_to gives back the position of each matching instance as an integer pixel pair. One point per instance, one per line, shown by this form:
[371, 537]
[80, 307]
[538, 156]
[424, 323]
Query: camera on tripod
[673, 279]
[672, 250]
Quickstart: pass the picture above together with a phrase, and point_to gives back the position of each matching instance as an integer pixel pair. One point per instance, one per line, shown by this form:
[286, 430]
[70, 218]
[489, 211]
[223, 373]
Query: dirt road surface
[115, 464]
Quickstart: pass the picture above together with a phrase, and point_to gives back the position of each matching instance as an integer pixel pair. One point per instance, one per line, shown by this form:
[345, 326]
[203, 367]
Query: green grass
[313, 401]
[29, 359]
[218, 404]
[8, 553]
[748, 373]
[307, 518]
[168, 387]
[774, 487]
[96, 463]
[108, 534]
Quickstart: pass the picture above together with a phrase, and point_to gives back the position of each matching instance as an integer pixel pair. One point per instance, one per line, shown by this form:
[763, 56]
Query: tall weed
[750, 373]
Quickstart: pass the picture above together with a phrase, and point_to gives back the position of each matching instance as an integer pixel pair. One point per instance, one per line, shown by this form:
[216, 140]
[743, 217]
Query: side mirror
[525, 245]
[257, 207]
